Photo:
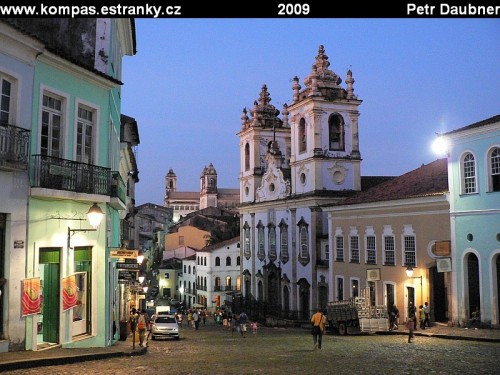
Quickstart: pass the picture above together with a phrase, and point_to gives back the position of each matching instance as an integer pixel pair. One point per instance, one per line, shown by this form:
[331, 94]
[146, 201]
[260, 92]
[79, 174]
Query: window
[6, 99]
[326, 253]
[304, 242]
[167, 275]
[260, 241]
[340, 288]
[354, 288]
[272, 242]
[469, 174]
[217, 284]
[247, 157]
[409, 251]
[336, 132]
[389, 251]
[339, 248]
[302, 135]
[217, 262]
[51, 132]
[354, 249]
[495, 169]
[246, 241]
[228, 261]
[228, 283]
[283, 242]
[371, 252]
[238, 260]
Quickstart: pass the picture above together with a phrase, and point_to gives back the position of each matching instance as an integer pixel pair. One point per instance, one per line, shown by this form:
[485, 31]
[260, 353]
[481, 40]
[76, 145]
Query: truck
[357, 315]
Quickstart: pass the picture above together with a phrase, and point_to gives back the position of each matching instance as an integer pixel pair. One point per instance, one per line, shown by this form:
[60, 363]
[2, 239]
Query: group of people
[237, 323]
[140, 320]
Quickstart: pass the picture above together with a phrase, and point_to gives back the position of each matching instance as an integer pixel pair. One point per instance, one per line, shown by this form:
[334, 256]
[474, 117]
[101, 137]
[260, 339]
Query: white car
[165, 326]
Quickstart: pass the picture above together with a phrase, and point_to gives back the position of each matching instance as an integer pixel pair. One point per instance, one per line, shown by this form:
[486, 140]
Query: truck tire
[342, 329]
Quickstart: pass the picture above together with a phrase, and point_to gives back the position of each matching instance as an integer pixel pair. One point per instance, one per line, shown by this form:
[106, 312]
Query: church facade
[290, 166]
[210, 195]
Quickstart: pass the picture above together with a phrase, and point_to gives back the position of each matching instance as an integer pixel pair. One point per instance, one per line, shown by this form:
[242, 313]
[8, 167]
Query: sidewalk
[440, 330]
[57, 356]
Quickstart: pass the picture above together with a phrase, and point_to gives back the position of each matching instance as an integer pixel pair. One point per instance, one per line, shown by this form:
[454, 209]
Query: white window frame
[304, 241]
[493, 164]
[408, 233]
[337, 278]
[351, 282]
[370, 233]
[64, 99]
[353, 234]
[468, 173]
[13, 95]
[339, 235]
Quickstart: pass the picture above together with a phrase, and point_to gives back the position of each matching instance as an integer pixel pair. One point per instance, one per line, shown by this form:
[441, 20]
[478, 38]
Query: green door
[51, 284]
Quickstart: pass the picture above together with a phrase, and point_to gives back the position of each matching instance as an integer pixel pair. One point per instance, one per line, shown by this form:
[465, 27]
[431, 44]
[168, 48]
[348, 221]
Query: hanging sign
[122, 253]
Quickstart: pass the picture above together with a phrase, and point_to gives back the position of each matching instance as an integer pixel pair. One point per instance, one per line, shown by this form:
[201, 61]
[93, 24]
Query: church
[210, 195]
[291, 166]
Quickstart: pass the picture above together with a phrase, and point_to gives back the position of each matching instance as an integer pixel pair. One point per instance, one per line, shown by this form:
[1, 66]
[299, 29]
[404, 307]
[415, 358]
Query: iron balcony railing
[14, 147]
[61, 174]
[118, 188]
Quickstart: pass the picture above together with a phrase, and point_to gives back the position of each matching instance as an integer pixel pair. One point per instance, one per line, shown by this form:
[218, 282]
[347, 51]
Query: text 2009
[293, 9]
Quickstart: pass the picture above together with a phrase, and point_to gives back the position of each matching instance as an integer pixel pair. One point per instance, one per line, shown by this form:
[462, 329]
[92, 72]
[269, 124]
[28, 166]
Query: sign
[127, 266]
[442, 248]
[19, 244]
[444, 265]
[127, 275]
[373, 274]
[121, 253]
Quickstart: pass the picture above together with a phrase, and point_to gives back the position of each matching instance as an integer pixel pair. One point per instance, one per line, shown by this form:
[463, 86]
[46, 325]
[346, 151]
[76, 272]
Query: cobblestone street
[211, 350]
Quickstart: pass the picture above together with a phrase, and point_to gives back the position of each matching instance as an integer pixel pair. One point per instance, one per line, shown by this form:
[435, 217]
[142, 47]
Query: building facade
[210, 195]
[290, 167]
[474, 179]
[74, 162]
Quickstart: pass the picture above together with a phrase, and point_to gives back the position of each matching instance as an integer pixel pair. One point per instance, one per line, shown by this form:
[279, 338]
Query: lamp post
[409, 273]
[95, 216]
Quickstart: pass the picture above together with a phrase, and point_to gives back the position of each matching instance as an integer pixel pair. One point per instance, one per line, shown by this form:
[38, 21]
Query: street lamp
[95, 216]
[409, 273]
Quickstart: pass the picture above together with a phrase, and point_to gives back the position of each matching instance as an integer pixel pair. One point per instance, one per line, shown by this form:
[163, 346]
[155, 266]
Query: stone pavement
[58, 356]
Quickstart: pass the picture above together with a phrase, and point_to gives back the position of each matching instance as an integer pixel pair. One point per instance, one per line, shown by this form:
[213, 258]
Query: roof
[221, 244]
[187, 195]
[478, 124]
[428, 180]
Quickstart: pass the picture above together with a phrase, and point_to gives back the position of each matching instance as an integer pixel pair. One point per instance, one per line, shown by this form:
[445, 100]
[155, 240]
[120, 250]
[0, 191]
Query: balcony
[61, 174]
[14, 147]
[118, 192]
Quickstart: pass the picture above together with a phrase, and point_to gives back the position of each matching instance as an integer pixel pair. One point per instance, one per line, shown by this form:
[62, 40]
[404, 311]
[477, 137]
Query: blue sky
[191, 78]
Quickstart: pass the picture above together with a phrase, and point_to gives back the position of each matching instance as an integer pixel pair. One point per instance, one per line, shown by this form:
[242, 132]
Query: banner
[69, 292]
[31, 297]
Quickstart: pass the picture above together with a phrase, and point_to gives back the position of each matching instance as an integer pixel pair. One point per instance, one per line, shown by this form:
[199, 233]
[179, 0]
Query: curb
[63, 360]
[441, 336]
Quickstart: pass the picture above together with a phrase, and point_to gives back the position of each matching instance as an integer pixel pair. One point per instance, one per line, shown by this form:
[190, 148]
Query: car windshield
[165, 319]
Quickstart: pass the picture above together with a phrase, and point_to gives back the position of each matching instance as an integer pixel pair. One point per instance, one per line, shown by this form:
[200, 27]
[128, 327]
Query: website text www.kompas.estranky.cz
[45, 10]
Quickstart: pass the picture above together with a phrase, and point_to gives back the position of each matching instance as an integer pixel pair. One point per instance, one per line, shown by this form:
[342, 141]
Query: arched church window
[247, 157]
[336, 132]
[302, 135]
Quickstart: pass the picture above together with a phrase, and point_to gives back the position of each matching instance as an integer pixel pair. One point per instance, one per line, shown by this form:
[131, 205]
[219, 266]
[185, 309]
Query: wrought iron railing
[118, 188]
[62, 174]
[14, 146]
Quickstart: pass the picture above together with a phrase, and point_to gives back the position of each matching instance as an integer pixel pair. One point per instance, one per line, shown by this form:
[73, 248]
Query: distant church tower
[261, 132]
[324, 123]
[208, 187]
[170, 185]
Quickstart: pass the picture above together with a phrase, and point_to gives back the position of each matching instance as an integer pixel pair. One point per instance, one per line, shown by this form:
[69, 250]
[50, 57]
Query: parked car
[165, 326]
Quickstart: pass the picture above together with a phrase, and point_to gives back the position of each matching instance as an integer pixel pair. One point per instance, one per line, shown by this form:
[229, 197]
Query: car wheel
[177, 338]
[153, 337]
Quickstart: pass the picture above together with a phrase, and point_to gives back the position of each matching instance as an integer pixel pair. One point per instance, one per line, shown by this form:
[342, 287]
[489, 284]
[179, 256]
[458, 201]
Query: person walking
[141, 326]
[393, 317]
[243, 319]
[421, 316]
[427, 312]
[410, 324]
[318, 321]
[134, 317]
[234, 324]
[196, 319]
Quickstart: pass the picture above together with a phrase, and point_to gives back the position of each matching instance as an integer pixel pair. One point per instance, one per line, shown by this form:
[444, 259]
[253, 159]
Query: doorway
[50, 278]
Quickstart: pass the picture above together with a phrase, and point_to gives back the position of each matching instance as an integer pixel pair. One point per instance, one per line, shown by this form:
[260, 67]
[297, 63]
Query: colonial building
[210, 195]
[377, 235]
[474, 179]
[61, 78]
[290, 167]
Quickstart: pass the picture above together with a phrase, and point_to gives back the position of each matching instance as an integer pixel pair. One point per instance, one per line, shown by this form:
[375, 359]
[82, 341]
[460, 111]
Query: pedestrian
[410, 325]
[421, 315]
[225, 320]
[134, 316]
[204, 316]
[412, 311]
[141, 326]
[190, 318]
[196, 319]
[393, 317]
[243, 323]
[234, 324]
[318, 321]
[254, 328]
[427, 311]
